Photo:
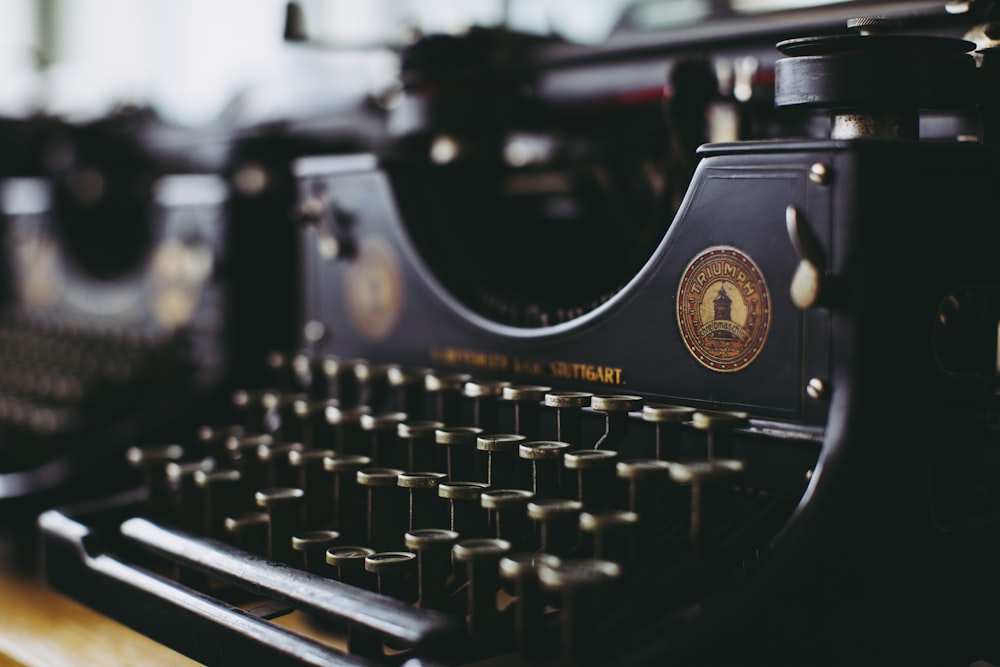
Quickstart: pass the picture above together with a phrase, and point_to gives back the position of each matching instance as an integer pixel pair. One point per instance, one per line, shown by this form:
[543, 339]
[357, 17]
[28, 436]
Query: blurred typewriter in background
[492, 346]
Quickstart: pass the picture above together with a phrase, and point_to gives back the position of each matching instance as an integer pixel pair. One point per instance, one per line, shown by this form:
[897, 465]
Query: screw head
[816, 389]
[819, 173]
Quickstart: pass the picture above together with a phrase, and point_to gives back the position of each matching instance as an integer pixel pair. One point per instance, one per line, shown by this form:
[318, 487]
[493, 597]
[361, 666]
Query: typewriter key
[484, 395]
[502, 460]
[558, 524]
[421, 451]
[409, 386]
[384, 449]
[427, 509]
[583, 587]
[433, 548]
[668, 420]
[545, 457]
[282, 506]
[482, 559]
[373, 380]
[710, 482]
[569, 415]
[317, 433]
[719, 427]
[223, 495]
[348, 495]
[317, 482]
[460, 450]
[189, 510]
[596, 481]
[335, 378]
[468, 518]
[243, 454]
[152, 461]
[396, 573]
[248, 531]
[313, 545]
[348, 437]
[508, 514]
[520, 571]
[612, 534]
[447, 392]
[616, 422]
[386, 507]
[527, 401]
[290, 426]
[350, 564]
[275, 463]
[651, 493]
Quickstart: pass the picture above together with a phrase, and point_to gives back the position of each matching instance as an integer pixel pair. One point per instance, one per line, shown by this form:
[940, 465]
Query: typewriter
[682, 349]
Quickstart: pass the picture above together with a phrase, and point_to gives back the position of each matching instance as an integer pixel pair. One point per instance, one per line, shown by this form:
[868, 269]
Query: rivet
[816, 389]
[818, 173]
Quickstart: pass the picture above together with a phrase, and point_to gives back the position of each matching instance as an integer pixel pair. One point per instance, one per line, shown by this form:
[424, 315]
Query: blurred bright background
[188, 58]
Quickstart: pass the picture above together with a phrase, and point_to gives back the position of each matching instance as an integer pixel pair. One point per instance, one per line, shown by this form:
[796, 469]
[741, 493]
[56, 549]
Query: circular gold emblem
[374, 289]
[723, 309]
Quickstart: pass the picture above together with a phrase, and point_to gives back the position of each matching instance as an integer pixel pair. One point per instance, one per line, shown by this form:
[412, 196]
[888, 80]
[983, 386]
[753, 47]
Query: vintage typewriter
[563, 391]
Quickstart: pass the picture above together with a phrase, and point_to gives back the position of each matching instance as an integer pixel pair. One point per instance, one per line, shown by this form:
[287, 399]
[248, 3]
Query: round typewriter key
[502, 460]
[348, 495]
[460, 450]
[508, 514]
[651, 493]
[520, 571]
[421, 451]
[482, 558]
[373, 381]
[558, 524]
[409, 384]
[222, 494]
[468, 518]
[710, 482]
[527, 401]
[427, 509]
[189, 511]
[213, 439]
[545, 457]
[596, 481]
[283, 506]
[386, 508]
[584, 588]
[350, 564]
[276, 464]
[152, 461]
[668, 420]
[719, 427]
[433, 549]
[248, 531]
[484, 395]
[383, 448]
[243, 454]
[396, 572]
[569, 415]
[317, 482]
[616, 421]
[313, 545]
[447, 392]
[348, 437]
[612, 534]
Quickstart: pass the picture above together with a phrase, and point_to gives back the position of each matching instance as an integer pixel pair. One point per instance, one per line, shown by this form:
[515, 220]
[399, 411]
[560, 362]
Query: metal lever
[811, 286]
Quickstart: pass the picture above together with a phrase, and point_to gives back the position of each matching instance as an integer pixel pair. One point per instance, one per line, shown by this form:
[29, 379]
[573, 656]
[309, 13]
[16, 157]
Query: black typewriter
[680, 349]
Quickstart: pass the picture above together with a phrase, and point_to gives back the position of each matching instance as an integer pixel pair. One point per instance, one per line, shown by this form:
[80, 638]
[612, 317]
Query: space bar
[417, 628]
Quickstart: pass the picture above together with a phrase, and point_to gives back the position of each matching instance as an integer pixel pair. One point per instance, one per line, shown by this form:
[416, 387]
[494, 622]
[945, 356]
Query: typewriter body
[546, 383]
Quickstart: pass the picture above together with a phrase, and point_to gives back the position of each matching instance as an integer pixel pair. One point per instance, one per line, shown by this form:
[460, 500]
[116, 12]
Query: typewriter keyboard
[405, 514]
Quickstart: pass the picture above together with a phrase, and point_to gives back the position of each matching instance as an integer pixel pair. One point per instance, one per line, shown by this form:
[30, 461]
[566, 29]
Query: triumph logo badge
[723, 309]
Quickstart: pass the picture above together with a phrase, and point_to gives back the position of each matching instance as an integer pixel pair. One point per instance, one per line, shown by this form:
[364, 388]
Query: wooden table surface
[42, 628]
